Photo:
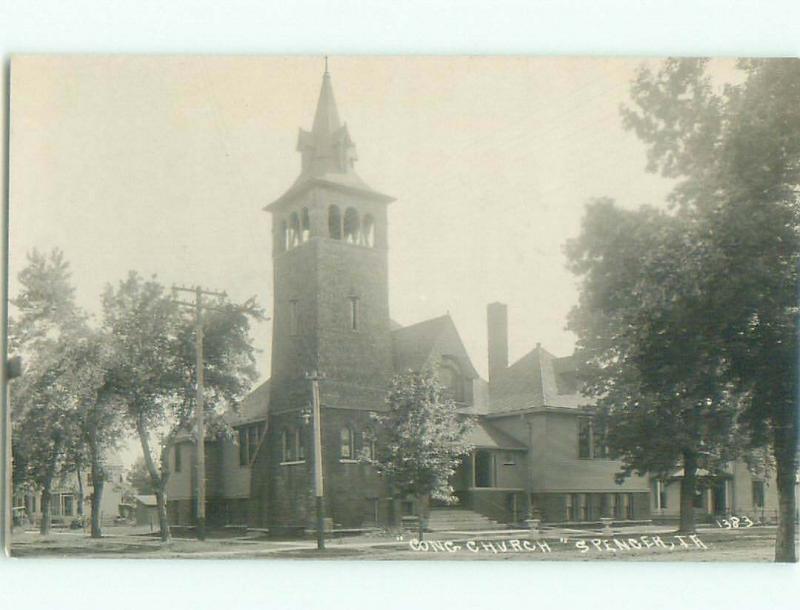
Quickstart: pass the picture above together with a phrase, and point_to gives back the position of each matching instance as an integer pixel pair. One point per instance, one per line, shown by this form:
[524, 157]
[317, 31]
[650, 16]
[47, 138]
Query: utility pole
[319, 494]
[200, 429]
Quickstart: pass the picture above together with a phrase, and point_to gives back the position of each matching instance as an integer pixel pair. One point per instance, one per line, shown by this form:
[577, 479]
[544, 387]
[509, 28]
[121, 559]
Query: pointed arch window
[334, 222]
[368, 232]
[352, 226]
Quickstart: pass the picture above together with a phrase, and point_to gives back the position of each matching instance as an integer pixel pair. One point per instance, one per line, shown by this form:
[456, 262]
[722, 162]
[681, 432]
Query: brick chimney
[497, 322]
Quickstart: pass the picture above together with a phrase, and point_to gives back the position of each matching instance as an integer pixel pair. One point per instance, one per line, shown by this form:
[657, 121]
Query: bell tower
[331, 305]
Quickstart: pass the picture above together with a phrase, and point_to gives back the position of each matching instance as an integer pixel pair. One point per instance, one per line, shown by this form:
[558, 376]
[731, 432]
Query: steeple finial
[326, 64]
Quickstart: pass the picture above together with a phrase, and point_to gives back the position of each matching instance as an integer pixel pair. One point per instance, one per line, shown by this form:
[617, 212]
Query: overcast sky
[163, 165]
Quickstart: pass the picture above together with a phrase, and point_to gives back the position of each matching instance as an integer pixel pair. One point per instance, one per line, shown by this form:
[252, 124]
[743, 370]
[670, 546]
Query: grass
[755, 544]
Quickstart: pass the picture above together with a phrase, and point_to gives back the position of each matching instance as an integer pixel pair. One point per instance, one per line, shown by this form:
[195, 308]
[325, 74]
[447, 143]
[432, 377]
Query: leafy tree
[99, 416]
[154, 368]
[736, 156]
[45, 399]
[422, 441]
[646, 356]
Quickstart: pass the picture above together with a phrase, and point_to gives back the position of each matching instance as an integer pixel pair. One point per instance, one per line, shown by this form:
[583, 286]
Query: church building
[536, 448]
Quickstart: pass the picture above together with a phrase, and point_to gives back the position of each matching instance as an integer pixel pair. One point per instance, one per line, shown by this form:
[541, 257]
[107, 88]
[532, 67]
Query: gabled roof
[254, 407]
[421, 345]
[538, 379]
[412, 345]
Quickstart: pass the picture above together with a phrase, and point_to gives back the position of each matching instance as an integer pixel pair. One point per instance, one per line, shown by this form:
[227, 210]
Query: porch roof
[485, 436]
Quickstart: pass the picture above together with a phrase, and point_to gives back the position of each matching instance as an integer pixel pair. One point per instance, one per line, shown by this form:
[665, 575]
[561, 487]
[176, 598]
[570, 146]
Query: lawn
[648, 544]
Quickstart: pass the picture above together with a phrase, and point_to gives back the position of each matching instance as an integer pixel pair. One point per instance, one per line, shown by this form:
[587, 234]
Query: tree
[45, 399]
[644, 347]
[736, 155]
[98, 414]
[423, 437]
[154, 371]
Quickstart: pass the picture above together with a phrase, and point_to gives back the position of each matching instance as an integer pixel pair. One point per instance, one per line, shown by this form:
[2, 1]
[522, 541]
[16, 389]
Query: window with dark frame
[599, 446]
[176, 460]
[346, 443]
[301, 448]
[758, 494]
[584, 438]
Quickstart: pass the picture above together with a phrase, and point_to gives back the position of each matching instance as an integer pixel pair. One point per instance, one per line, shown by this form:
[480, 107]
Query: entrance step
[461, 520]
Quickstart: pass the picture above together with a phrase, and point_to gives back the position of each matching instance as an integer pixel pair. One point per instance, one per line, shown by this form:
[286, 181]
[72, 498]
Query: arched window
[283, 236]
[368, 443]
[450, 377]
[305, 226]
[368, 232]
[334, 222]
[351, 226]
[294, 230]
[346, 443]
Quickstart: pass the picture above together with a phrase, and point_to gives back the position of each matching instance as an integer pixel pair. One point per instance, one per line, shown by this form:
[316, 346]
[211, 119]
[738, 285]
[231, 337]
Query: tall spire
[326, 119]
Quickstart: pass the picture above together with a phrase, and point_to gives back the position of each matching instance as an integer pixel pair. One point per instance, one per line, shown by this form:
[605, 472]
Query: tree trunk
[159, 482]
[785, 451]
[79, 474]
[98, 481]
[44, 525]
[688, 490]
[420, 517]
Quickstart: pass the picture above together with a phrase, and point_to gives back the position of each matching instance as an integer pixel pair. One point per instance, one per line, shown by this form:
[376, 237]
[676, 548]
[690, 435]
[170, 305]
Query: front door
[484, 468]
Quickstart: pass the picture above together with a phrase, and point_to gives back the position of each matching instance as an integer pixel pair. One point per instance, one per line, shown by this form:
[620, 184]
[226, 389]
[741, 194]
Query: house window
[285, 446]
[660, 495]
[591, 439]
[354, 313]
[298, 441]
[697, 501]
[450, 377]
[249, 440]
[584, 437]
[177, 459]
[68, 505]
[346, 443]
[627, 504]
[599, 447]
[758, 494]
[509, 459]
[294, 322]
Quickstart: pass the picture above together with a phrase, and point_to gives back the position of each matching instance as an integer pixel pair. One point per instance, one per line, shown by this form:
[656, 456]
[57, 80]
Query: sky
[163, 165]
